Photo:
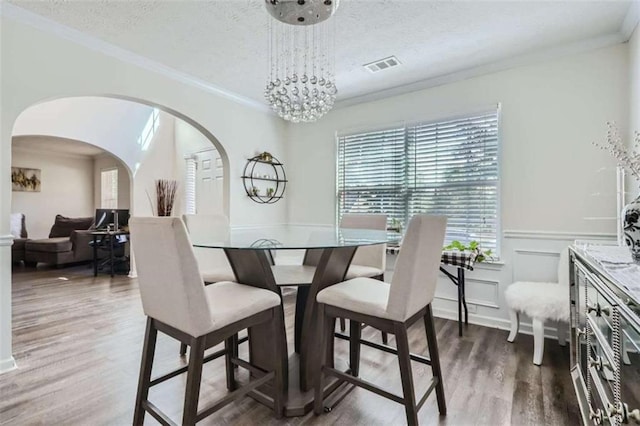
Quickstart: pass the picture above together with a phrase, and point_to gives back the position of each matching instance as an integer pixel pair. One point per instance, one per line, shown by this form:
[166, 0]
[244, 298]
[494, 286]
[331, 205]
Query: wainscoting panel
[535, 265]
[524, 256]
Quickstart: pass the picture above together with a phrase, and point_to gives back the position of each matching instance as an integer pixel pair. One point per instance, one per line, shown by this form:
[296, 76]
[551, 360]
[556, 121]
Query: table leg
[331, 269]
[251, 267]
[459, 305]
[111, 255]
[95, 255]
[301, 303]
[462, 284]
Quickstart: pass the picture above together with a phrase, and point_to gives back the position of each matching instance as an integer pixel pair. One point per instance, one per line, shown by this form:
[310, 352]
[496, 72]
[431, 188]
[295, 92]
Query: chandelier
[301, 86]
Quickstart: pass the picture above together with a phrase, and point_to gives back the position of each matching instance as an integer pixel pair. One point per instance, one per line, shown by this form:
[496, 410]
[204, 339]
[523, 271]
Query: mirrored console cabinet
[605, 338]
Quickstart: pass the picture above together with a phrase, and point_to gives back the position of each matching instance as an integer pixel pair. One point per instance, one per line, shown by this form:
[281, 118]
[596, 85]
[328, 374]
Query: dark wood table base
[252, 267]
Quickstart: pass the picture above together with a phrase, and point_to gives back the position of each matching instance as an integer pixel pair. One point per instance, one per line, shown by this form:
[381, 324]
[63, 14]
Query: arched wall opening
[38, 120]
[117, 125]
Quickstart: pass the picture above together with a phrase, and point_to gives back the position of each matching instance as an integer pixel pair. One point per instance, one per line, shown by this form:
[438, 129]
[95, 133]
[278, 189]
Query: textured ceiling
[225, 42]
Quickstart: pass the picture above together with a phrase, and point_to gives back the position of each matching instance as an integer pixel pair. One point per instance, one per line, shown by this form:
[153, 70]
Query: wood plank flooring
[78, 340]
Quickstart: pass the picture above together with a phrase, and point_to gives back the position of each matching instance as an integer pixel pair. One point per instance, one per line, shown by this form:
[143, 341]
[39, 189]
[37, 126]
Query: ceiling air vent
[382, 64]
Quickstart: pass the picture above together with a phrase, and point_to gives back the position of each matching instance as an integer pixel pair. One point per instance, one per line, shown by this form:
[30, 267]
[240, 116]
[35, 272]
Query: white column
[6, 359]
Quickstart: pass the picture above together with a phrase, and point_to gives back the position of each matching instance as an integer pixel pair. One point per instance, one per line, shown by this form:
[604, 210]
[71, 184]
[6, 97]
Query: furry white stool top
[538, 300]
[541, 301]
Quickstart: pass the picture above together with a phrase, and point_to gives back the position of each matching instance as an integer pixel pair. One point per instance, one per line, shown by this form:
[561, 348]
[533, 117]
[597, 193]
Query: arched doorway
[122, 151]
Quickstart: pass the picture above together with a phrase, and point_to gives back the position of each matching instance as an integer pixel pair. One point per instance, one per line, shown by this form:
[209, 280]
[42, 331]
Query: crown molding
[631, 20]
[93, 43]
[490, 68]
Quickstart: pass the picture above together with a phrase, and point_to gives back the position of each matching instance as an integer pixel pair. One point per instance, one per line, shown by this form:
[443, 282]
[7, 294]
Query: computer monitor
[105, 218]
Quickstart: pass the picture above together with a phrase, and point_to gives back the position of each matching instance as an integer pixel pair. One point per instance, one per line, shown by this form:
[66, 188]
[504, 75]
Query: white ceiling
[51, 144]
[224, 42]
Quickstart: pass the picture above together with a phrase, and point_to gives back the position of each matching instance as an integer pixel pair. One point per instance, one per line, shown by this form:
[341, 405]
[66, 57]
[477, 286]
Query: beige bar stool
[391, 308]
[177, 303]
[369, 261]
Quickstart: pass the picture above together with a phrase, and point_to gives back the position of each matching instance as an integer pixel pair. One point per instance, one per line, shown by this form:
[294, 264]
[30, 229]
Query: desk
[462, 261]
[329, 250]
[109, 235]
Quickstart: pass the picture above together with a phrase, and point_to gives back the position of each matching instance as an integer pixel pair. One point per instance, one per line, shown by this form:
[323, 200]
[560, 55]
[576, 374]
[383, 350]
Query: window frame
[117, 192]
[495, 108]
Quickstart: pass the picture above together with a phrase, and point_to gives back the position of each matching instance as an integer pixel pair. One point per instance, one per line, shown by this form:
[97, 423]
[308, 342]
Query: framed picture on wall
[23, 179]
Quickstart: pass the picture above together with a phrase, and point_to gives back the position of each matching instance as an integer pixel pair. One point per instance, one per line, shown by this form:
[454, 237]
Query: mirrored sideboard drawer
[630, 368]
[600, 404]
[601, 366]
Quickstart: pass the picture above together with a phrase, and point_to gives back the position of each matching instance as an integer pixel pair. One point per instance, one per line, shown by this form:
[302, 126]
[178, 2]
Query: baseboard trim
[492, 322]
[7, 365]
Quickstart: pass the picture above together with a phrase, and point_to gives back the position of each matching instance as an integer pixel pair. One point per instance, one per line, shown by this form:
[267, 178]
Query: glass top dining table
[329, 250]
[294, 237]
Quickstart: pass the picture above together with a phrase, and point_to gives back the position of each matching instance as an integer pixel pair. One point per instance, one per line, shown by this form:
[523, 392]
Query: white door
[209, 182]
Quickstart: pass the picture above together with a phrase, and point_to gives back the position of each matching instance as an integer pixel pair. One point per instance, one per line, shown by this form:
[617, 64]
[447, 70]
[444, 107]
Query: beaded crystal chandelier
[301, 84]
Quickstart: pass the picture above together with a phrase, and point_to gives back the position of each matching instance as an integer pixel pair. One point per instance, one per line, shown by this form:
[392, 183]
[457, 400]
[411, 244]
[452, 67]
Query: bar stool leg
[402, 341]
[325, 332]
[355, 334]
[148, 352]
[229, 346]
[434, 355]
[280, 356]
[183, 349]
[194, 376]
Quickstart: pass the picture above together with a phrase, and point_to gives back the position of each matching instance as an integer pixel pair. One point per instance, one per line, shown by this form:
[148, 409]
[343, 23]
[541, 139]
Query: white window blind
[190, 186]
[371, 173]
[449, 167]
[109, 189]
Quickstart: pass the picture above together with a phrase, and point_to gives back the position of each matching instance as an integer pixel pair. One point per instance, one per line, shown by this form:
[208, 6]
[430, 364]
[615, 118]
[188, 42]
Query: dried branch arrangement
[165, 196]
[628, 157]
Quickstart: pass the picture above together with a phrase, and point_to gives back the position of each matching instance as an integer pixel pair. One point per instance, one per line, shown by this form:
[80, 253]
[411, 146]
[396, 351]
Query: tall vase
[631, 227]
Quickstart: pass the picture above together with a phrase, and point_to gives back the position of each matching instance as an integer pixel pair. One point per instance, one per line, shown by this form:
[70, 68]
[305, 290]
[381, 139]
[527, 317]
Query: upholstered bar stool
[391, 308]
[178, 304]
[213, 264]
[369, 261]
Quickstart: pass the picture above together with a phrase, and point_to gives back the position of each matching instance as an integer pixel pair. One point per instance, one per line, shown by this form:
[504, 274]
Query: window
[109, 189]
[448, 167]
[149, 129]
[190, 185]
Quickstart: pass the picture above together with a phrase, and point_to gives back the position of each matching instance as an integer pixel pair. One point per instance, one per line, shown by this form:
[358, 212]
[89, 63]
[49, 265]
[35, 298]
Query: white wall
[551, 113]
[36, 66]
[158, 162]
[105, 162]
[66, 189]
[634, 73]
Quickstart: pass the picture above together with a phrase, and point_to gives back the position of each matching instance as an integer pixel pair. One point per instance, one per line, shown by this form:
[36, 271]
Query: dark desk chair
[111, 253]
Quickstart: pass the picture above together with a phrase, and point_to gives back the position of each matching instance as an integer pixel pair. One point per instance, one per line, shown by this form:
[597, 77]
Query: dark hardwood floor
[78, 340]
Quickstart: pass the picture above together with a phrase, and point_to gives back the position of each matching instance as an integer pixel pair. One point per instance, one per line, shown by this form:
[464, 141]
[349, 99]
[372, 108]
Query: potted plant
[473, 247]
